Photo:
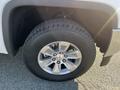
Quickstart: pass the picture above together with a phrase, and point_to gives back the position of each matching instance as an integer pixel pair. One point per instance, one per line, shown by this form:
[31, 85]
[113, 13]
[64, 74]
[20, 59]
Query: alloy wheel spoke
[48, 51]
[57, 68]
[69, 65]
[63, 46]
[74, 55]
[46, 63]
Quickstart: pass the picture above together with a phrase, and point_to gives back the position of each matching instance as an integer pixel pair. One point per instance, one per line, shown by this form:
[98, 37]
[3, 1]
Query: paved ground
[102, 78]
[15, 76]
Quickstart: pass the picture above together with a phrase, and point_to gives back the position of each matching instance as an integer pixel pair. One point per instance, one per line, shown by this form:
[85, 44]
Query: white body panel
[113, 3]
[2, 44]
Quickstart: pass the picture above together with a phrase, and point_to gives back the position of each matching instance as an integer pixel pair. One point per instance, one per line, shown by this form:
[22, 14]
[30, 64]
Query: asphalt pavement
[15, 76]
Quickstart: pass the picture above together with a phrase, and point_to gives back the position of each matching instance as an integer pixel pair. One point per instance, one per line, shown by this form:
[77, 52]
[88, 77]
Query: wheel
[59, 50]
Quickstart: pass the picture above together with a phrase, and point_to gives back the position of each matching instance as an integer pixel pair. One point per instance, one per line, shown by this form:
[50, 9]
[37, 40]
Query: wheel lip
[62, 73]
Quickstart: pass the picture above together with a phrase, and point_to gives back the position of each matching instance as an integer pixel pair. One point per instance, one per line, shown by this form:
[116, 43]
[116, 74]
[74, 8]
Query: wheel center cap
[60, 56]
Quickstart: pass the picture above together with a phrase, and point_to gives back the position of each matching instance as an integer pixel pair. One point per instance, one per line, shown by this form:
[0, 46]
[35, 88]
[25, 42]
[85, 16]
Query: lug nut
[64, 60]
[60, 52]
[53, 59]
[58, 62]
[55, 54]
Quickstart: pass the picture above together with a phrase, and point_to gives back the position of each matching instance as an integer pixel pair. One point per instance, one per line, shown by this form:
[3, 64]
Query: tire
[59, 30]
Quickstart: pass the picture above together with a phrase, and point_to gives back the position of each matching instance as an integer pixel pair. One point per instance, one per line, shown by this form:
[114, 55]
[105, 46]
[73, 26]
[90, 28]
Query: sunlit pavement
[102, 78]
[15, 76]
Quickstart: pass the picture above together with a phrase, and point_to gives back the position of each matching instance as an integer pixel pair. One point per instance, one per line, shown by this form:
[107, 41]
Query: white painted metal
[2, 44]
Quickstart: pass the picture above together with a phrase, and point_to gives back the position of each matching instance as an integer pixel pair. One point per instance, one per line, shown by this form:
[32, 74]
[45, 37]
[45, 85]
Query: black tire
[57, 30]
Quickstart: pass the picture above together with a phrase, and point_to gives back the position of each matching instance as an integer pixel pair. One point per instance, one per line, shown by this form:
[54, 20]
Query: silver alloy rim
[59, 58]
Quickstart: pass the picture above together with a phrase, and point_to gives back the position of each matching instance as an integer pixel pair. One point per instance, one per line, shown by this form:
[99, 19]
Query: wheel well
[98, 23]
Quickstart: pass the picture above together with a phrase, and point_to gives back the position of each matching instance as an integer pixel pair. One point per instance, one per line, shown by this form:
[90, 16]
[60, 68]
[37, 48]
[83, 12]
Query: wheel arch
[11, 6]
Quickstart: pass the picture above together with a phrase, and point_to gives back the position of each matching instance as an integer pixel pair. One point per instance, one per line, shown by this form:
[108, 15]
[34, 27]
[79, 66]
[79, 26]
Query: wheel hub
[60, 56]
